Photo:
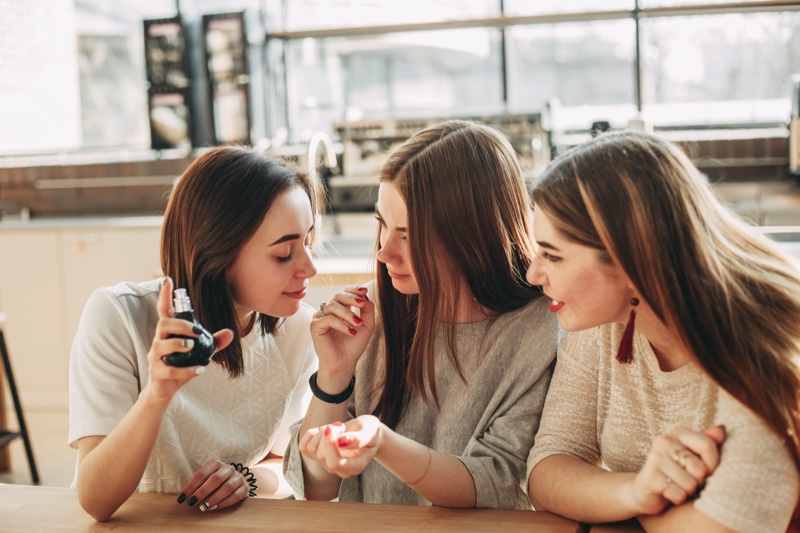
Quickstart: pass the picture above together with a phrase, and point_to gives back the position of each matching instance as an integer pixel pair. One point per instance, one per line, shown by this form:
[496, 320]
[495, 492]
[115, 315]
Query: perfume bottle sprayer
[203, 348]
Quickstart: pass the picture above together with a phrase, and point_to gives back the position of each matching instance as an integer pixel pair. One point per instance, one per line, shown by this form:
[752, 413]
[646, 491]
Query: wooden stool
[6, 436]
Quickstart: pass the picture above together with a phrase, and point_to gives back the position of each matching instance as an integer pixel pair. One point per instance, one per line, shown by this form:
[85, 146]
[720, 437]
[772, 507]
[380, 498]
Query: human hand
[344, 449]
[676, 468]
[341, 335]
[165, 380]
[216, 485]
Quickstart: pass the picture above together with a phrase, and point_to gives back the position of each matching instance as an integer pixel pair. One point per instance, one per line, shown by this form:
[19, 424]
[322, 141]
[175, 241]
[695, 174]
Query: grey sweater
[488, 423]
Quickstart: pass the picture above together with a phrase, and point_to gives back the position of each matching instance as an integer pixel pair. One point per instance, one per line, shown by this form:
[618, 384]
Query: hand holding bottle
[174, 335]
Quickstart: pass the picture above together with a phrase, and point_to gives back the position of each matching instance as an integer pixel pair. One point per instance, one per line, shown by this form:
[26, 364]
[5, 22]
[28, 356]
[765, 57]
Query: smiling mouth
[555, 305]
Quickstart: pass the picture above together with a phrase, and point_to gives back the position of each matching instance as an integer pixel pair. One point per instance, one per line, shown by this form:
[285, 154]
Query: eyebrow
[377, 212]
[291, 237]
[545, 244]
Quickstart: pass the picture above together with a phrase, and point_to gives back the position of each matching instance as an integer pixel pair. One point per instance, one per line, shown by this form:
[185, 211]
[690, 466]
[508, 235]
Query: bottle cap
[181, 301]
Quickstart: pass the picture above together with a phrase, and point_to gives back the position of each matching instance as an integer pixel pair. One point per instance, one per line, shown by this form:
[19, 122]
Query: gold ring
[322, 308]
[680, 458]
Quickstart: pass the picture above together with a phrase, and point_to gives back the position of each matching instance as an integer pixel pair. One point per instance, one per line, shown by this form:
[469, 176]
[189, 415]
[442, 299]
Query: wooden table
[25, 508]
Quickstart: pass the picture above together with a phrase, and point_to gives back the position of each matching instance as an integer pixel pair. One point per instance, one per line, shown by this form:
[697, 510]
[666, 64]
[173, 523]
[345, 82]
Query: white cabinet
[46, 276]
[31, 295]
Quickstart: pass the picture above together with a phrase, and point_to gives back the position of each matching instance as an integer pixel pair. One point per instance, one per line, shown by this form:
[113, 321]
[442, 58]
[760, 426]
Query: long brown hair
[217, 205]
[721, 287]
[468, 211]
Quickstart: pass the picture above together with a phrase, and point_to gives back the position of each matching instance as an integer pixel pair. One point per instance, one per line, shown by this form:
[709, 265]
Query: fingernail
[337, 423]
[357, 319]
[213, 508]
[362, 289]
[197, 329]
[352, 331]
[360, 300]
[204, 506]
[199, 370]
[344, 440]
[182, 498]
[192, 501]
[327, 431]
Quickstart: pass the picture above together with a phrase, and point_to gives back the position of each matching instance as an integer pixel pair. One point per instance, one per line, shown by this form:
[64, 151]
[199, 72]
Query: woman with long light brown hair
[677, 398]
[445, 392]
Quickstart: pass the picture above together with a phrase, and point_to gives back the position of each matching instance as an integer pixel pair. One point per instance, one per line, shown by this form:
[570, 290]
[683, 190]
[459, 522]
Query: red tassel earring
[625, 351]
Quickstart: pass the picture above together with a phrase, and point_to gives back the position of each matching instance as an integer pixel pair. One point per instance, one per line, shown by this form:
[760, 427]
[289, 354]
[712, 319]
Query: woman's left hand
[676, 468]
[215, 486]
[344, 449]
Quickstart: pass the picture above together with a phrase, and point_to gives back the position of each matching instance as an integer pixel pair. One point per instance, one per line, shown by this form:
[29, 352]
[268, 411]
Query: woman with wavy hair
[447, 389]
[677, 398]
[236, 236]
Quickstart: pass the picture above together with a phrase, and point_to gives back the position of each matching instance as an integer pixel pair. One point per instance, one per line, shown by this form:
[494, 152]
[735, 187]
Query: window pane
[542, 7]
[719, 68]
[588, 67]
[315, 14]
[396, 75]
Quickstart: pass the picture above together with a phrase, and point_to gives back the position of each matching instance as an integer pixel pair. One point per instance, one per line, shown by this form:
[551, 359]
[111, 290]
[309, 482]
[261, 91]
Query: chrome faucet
[313, 145]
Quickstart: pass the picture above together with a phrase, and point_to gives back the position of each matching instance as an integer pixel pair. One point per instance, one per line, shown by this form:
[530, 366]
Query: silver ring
[322, 308]
[204, 506]
[187, 342]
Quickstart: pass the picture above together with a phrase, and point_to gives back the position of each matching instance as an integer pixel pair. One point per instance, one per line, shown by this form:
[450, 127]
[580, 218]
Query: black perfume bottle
[203, 345]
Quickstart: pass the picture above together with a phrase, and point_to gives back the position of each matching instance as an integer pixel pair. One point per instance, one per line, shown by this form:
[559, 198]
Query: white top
[213, 416]
[608, 414]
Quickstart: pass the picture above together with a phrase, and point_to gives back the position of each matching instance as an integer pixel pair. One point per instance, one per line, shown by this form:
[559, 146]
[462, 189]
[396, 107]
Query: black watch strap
[331, 398]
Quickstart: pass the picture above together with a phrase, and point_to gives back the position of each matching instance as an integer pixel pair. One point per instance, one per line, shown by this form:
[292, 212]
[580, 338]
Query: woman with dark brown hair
[236, 236]
[446, 391]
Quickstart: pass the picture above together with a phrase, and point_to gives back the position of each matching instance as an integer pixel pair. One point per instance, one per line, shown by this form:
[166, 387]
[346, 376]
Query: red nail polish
[352, 331]
[337, 423]
[362, 289]
[357, 319]
[359, 300]
[327, 431]
[344, 440]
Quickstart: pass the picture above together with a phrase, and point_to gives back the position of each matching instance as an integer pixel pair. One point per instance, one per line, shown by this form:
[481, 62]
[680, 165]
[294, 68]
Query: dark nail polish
[192, 501]
[197, 329]
[357, 319]
[352, 331]
[182, 498]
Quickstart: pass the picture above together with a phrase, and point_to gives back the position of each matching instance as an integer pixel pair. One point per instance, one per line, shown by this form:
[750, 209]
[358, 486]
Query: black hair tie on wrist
[331, 398]
[248, 476]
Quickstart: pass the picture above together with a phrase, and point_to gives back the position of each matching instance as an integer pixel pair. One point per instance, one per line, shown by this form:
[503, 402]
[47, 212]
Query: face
[583, 290]
[271, 272]
[392, 216]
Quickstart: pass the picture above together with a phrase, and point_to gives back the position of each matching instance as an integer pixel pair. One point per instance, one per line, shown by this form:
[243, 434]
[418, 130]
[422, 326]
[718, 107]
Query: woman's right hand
[165, 380]
[676, 468]
[340, 335]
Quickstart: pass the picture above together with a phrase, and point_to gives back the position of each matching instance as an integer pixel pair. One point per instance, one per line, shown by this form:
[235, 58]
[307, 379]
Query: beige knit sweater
[609, 414]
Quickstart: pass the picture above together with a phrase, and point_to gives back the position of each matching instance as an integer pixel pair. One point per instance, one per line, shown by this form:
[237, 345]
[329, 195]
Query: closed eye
[550, 257]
